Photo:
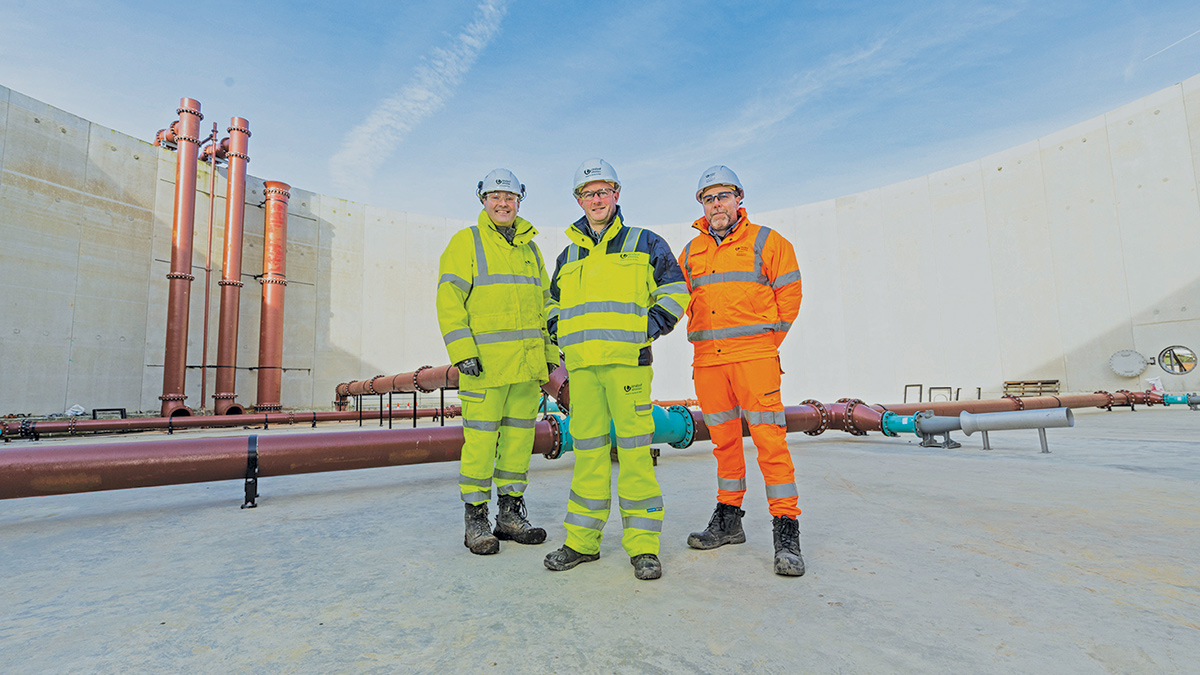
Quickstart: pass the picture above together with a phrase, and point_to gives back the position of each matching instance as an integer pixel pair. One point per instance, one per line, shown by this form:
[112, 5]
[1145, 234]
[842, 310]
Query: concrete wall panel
[4, 95]
[1154, 179]
[958, 250]
[1022, 263]
[865, 274]
[46, 143]
[1089, 262]
[120, 168]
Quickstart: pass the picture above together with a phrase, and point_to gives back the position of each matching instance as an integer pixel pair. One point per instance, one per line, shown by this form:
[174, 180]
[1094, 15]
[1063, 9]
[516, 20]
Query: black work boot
[511, 522]
[724, 528]
[479, 534]
[787, 547]
[566, 557]
[646, 566]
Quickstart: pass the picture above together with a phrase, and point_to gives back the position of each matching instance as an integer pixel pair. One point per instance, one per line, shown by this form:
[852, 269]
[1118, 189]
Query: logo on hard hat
[709, 176]
[590, 171]
[499, 181]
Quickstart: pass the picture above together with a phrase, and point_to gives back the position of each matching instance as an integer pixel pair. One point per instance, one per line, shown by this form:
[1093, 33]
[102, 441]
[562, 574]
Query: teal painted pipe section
[548, 406]
[1169, 399]
[669, 427]
[893, 424]
[672, 426]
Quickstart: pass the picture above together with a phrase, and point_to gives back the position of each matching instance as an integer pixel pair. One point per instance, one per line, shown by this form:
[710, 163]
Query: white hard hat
[718, 175]
[595, 169]
[500, 180]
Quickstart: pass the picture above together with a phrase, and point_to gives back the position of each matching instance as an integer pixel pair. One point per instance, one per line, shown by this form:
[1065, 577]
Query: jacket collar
[525, 229]
[702, 225]
[579, 233]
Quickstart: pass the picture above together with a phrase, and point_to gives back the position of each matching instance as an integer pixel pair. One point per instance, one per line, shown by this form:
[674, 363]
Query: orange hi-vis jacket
[745, 292]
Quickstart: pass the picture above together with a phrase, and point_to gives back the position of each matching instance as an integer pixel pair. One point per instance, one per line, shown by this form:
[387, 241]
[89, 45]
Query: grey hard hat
[718, 175]
[595, 169]
[500, 180]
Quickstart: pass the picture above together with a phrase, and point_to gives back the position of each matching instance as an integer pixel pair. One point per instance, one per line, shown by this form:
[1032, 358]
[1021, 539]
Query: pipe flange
[851, 404]
[370, 384]
[239, 155]
[224, 396]
[71, 426]
[558, 398]
[883, 424]
[268, 408]
[241, 129]
[1017, 400]
[4, 430]
[189, 139]
[276, 191]
[173, 397]
[272, 280]
[689, 427]
[180, 275]
[1148, 396]
[416, 375]
[556, 449]
[824, 416]
[1110, 401]
[190, 111]
[225, 282]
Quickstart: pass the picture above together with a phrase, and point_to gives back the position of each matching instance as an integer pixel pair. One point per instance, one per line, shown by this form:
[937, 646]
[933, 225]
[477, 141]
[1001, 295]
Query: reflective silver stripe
[646, 406]
[722, 277]
[472, 395]
[759, 243]
[511, 488]
[612, 335]
[553, 313]
[687, 262]
[477, 482]
[592, 443]
[492, 279]
[572, 253]
[509, 336]
[722, 417]
[481, 425]
[785, 279]
[456, 334]
[631, 240]
[480, 257]
[674, 287]
[784, 326]
[462, 283]
[778, 418]
[642, 504]
[537, 255]
[722, 333]
[641, 523]
[781, 491]
[591, 504]
[472, 497]
[580, 520]
[731, 484]
[509, 475]
[630, 442]
[671, 306]
[602, 306]
[517, 422]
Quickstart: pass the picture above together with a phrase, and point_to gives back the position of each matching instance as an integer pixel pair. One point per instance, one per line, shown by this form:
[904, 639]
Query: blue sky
[408, 104]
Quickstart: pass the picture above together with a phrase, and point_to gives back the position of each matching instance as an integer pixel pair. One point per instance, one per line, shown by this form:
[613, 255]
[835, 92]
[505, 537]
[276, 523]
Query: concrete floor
[1086, 560]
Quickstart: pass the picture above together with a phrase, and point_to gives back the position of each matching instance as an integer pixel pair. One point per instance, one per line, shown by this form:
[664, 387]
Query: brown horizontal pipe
[12, 428]
[33, 471]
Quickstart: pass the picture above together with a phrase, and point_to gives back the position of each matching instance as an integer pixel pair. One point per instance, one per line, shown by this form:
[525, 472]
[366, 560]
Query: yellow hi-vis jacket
[610, 299]
[491, 304]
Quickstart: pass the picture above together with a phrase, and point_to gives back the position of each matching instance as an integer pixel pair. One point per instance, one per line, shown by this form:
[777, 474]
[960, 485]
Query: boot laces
[518, 510]
[723, 517]
[789, 532]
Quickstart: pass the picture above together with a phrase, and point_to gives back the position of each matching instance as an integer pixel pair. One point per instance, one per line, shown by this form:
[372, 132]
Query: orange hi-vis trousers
[748, 389]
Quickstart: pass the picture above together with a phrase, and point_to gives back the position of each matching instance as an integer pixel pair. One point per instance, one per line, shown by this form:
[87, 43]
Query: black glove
[552, 330]
[469, 367]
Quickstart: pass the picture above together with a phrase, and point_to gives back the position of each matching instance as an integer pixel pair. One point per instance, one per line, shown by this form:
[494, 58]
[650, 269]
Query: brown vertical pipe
[231, 273]
[180, 277]
[274, 281]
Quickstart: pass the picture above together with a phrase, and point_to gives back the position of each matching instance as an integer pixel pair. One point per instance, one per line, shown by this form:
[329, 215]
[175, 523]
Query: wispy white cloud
[366, 147]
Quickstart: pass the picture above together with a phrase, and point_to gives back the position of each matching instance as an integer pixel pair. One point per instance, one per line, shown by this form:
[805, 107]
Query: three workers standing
[614, 291]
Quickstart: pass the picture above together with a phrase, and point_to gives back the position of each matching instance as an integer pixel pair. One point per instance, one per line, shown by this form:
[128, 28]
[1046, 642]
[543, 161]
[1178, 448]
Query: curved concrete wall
[1038, 262]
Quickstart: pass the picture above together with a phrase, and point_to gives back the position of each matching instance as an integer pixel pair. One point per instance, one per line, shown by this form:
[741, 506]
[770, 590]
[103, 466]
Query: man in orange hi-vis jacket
[745, 294]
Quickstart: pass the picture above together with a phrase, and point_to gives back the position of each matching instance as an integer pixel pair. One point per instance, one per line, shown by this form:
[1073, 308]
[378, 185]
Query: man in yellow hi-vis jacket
[615, 290]
[491, 299]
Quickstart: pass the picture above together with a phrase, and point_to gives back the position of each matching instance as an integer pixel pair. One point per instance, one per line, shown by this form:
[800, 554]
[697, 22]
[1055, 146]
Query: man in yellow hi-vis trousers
[615, 290]
[491, 299]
